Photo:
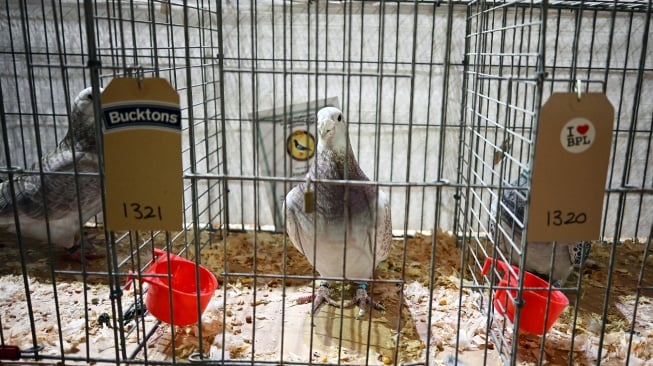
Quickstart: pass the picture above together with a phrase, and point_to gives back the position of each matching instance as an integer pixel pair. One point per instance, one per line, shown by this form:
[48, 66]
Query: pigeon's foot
[363, 301]
[89, 243]
[323, 295]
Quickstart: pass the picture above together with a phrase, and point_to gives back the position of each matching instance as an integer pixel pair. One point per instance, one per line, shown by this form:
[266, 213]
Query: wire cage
[442, 101]
[517, 56]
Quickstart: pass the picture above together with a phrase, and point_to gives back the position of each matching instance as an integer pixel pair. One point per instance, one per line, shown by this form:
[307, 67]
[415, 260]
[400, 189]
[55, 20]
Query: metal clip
[136, 71]
[578, 88]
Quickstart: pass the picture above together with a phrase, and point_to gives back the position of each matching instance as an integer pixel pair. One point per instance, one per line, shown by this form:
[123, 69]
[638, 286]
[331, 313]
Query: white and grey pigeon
[59, 190]
[350, 230]
[566, 255]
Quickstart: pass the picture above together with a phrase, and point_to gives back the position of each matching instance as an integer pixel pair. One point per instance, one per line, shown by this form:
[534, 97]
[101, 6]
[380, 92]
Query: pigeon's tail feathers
[6, 204]
[384, 227]
[580, 252]
[3, 200]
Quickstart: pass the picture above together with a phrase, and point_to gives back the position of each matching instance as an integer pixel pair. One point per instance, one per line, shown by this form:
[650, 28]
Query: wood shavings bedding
[250, 319]
[588, 321]
[74, 332]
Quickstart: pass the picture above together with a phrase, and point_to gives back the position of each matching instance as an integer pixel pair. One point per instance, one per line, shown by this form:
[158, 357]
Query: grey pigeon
[538, 256]
[59, 190]
[350, 228]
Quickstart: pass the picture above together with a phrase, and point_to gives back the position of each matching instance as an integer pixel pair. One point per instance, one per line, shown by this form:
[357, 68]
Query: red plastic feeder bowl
[533, 313]
[184, 289]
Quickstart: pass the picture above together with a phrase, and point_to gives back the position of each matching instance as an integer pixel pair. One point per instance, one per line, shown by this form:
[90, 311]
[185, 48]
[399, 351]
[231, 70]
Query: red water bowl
[534, 310]
[182, 288]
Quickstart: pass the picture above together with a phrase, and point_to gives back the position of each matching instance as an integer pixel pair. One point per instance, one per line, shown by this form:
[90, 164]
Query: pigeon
[349, 231]
[299, 146]
[62, 195]
[566, 255]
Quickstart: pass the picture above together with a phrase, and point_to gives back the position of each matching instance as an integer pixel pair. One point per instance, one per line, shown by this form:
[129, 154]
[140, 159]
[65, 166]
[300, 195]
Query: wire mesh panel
[394, 72]
[441, 106]
[520, 53]
[277, 58]
[53, 50]
[383, 64]
[503, 94]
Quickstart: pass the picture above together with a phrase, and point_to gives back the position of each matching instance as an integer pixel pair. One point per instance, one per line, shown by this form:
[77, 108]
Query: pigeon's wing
[86, 187]
[383, 227]
[28, 198]
[538, 254]
[293, 203]
[61, 191]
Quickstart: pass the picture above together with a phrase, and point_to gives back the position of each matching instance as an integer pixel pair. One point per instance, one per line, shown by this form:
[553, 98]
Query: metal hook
[138, 71]
[578, 88]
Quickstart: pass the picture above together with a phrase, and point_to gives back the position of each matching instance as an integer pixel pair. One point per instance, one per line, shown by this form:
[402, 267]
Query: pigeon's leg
[363, 300]
[90, 251]
[322, 295]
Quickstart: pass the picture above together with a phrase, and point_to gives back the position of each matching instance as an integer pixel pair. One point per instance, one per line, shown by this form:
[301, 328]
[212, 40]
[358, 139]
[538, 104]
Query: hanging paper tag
[142, 155]
[570, 168]
[308, 201]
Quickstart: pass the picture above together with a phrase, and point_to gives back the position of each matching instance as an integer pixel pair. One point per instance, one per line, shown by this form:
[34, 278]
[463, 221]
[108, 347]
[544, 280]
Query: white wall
[375, 99]
[325, 49]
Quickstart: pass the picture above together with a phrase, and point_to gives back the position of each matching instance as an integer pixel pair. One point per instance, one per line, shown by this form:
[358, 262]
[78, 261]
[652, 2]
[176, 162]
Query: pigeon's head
[332, 128]
[82, 121]
[83, 104]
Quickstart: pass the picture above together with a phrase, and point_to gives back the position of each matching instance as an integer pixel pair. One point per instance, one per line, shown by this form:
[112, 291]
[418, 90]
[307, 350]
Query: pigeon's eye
[340, 118]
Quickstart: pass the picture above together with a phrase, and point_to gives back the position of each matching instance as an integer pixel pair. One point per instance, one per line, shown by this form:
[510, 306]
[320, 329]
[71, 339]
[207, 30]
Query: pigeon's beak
[325, 126]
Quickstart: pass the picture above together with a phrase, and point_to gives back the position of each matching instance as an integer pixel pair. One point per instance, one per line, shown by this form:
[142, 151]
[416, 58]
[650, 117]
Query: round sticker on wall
[577, 135]
[300, 145]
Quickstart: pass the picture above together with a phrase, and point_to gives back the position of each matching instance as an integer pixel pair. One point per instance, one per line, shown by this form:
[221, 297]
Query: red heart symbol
[582, 129]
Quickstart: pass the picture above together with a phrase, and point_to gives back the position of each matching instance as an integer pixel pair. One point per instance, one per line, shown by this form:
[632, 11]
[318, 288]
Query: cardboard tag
[142, 155]
[570, 167]
[308, 201]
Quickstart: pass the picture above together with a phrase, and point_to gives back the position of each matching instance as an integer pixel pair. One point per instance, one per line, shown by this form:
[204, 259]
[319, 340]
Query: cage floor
[250, 323]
